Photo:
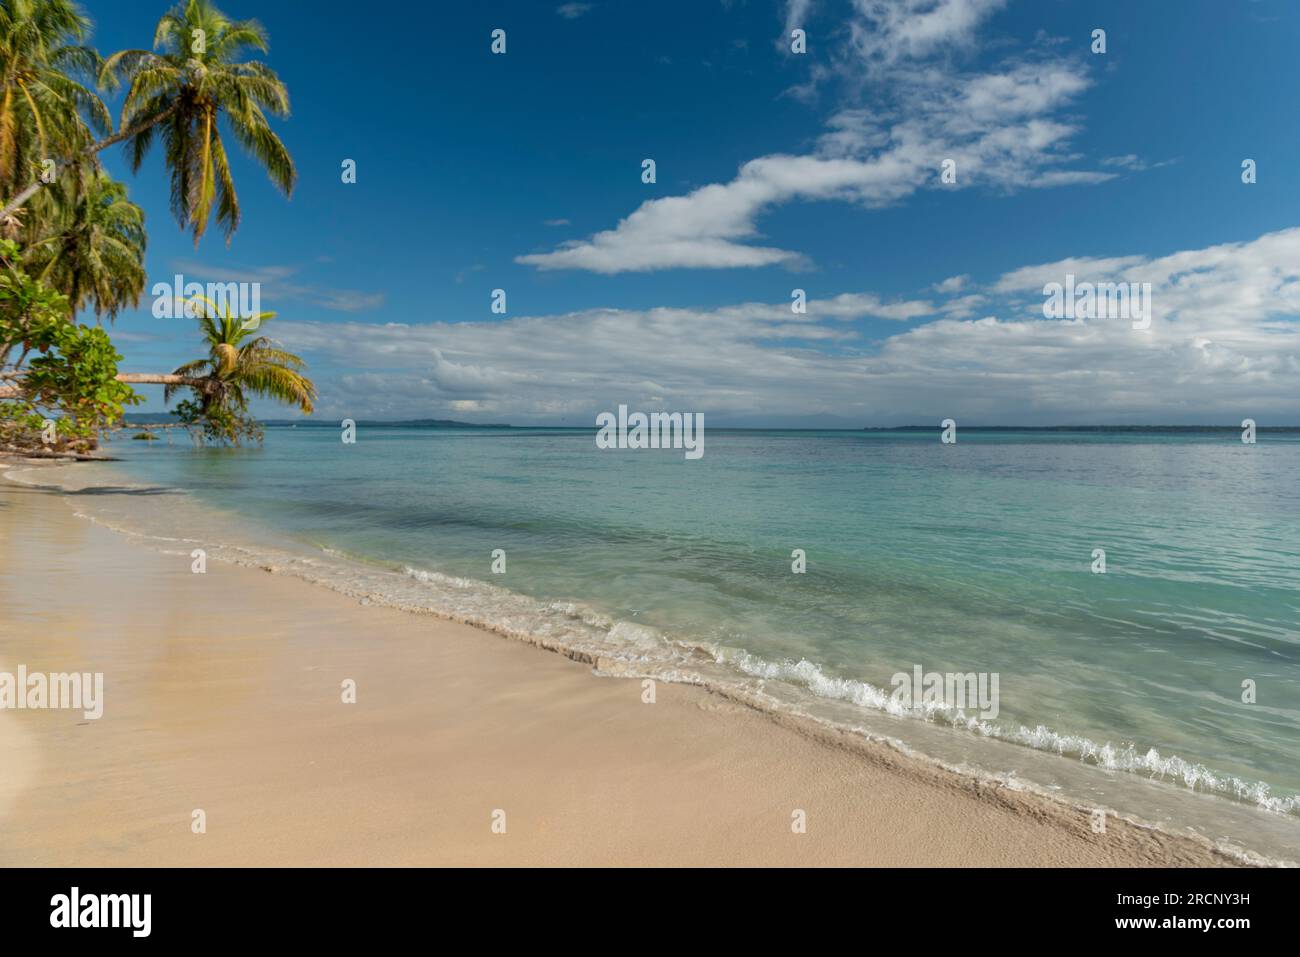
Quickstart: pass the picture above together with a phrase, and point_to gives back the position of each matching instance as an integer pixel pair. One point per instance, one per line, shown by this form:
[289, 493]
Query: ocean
[1166, 688]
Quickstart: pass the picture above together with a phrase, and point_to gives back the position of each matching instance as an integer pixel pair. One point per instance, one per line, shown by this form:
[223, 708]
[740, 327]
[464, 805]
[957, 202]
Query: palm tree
[180, 92]
[45, 113]
[93, 250]
[237, 366]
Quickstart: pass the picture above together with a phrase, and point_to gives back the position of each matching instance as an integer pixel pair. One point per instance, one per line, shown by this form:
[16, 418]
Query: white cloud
[1224, 344]
[887, 31]
[796, 17]
[703, 228]
[571, 11]
[1127, 161]
[278, 285]
[999, 127]
[998, 140]
[1034, 277]
[1134, 163]
[964, 307]
[1221, 291]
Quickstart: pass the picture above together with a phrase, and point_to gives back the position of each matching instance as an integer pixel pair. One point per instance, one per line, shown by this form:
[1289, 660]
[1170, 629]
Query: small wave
[1124, 757]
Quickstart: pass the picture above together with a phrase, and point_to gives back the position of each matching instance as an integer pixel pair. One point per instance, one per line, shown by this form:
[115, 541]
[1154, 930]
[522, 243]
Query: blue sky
[774, 171]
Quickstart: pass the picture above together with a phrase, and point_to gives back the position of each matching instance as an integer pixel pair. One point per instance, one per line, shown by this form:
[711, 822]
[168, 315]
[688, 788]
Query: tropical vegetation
[238, 365]
[73, 243]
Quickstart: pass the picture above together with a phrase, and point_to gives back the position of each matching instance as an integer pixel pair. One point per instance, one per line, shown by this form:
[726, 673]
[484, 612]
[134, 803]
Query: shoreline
[594, 775]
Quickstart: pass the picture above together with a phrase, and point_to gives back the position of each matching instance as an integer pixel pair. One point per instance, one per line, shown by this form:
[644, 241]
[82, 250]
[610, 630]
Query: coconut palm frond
[195, 87]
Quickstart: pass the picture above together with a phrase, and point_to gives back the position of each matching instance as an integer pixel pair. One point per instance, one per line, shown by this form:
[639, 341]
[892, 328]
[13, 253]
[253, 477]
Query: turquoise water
[974, 557]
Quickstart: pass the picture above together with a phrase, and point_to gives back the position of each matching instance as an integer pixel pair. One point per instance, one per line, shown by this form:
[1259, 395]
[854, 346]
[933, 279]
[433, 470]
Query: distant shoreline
[145, 419]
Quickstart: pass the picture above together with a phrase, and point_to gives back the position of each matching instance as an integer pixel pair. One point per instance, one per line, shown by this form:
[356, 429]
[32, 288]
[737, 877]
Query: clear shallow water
[974, 557]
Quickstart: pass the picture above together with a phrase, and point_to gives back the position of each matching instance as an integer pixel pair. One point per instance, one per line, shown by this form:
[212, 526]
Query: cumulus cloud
[1224, 343]
[1001, 128]
[964, 307]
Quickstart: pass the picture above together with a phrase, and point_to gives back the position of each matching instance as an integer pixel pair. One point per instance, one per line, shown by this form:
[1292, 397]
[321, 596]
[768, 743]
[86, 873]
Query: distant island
[168, 418]
[135, 419]
[386, 424]
[1084, 428]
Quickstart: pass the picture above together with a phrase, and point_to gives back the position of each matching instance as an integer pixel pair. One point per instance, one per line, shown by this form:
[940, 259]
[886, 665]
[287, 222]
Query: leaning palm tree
[45, 112]
[238, 365]
[197, 76]
[93, 245]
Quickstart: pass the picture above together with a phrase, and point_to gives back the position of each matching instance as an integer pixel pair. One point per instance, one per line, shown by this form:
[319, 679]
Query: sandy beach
[223, 693]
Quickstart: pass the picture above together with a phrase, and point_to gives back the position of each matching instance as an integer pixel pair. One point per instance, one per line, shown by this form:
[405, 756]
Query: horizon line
[1096, 427]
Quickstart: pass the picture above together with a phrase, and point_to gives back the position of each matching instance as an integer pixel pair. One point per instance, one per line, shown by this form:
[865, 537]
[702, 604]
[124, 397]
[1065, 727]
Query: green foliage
[20, 427]
[90, 246]
[80, 234]
[180, 92]
[46, 111]
[238, 365]
[221, 424]
[29, 309]
[71, 375]
[30, 312]
[76, 377]
[83, 241]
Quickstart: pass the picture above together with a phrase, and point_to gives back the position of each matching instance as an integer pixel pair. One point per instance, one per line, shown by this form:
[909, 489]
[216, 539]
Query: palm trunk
[18, 201]
[33, 188]
[204, 384]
